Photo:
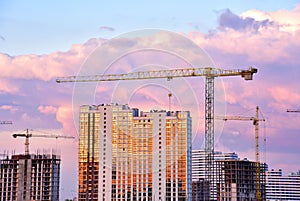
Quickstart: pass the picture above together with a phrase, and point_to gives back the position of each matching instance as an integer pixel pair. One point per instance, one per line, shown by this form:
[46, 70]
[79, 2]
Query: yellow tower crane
[28, 135]
[208, 72]
[255, 121]
[293, 110]
[5, 122]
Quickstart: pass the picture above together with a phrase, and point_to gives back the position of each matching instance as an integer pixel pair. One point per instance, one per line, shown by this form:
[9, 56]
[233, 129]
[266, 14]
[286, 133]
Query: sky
[43, 40]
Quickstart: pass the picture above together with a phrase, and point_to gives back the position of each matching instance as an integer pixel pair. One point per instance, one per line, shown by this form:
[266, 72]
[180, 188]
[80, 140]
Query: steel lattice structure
[208, 72]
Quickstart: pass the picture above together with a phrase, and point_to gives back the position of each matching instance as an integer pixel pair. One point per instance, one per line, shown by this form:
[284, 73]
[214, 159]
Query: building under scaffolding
[236, 180]
[30, 177]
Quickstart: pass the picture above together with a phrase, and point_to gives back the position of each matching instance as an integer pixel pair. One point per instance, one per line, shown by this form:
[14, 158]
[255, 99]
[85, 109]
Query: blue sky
[42, 27]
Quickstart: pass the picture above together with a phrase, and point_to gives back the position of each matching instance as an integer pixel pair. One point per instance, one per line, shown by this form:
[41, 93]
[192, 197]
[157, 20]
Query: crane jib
[157, 74]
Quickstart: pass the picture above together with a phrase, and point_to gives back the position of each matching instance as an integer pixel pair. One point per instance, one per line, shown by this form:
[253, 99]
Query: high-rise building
[279, 187]
[236, 180]
[200, 186]
[198, 161]
[127, 154]
[30, 177]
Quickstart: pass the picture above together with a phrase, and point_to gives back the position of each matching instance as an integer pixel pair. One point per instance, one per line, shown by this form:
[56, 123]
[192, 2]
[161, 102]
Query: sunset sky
[43, 40]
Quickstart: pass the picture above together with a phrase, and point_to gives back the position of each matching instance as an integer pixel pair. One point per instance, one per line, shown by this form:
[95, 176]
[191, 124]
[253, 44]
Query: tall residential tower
[127, 154]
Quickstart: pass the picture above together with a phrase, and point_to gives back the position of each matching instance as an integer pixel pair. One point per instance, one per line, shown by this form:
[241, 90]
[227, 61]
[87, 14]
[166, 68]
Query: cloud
[7, 87]
[9, 107]
[287, 20]
[2, 38]
[268, 41]
[47, 109]
[46, 67]
[64, 115]
[106, 28]
[230, 20]
[283, 95]
[254, 38]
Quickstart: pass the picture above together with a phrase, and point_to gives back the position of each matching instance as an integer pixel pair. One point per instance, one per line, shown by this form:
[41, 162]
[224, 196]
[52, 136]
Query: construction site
[215, 176]
[30, 176]
[213, 187]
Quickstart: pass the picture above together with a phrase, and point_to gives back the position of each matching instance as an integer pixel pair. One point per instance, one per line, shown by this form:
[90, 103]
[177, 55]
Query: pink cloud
[8, 107]
[269, 42]
[272, 48]
[262, 46]
[7, 87]
[46, 67]
[284, 95]
[287, 20]
[64, 115]
[47, 109]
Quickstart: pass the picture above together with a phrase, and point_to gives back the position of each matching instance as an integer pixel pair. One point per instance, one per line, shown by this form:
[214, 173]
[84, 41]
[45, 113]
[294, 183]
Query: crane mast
[255, 121]
[208, 72]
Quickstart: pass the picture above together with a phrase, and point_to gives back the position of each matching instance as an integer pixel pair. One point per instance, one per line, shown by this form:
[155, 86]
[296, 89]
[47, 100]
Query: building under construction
[236, 180]
[30, 177]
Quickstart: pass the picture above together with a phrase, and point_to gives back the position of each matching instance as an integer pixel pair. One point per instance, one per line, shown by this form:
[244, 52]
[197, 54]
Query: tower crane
[5, 122]
[255, 121]
[28, 135]
[208, 72]
[293, 110]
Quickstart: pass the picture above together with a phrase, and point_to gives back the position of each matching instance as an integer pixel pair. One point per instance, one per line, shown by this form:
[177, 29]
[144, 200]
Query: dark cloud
[230, 20]
[106, 28]
[2, 38]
